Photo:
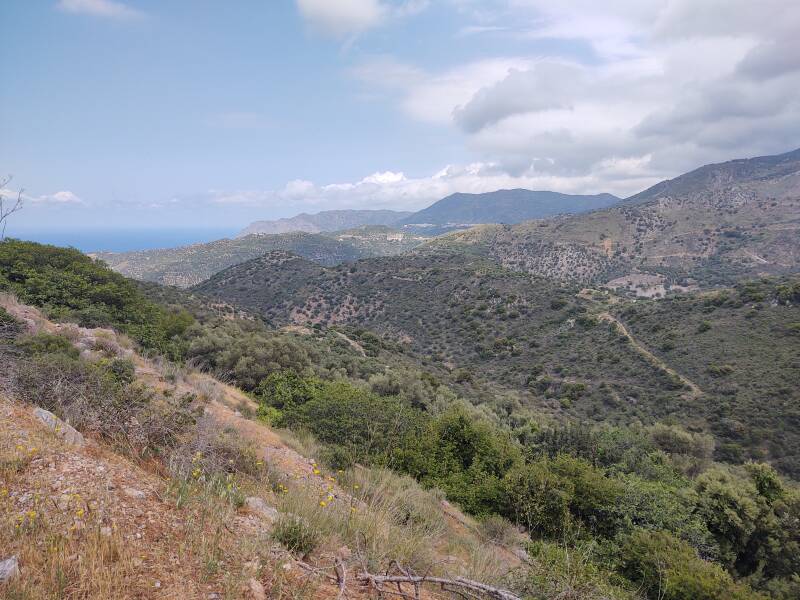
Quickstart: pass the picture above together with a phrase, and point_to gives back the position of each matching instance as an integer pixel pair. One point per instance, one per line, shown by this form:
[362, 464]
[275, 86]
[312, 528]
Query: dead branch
[7, 211]
[341, 574]
[466, 587]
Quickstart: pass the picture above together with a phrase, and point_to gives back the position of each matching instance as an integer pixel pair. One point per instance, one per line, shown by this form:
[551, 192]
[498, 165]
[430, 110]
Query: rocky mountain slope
[715, 224]
[327, 220]
[120, 521]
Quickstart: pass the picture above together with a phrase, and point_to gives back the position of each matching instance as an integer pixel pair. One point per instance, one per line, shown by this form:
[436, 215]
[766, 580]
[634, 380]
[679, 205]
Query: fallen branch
[457, 583]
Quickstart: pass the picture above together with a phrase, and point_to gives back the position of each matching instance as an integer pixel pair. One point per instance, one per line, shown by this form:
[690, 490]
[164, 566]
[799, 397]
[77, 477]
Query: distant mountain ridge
[506, 206]
[325, 221]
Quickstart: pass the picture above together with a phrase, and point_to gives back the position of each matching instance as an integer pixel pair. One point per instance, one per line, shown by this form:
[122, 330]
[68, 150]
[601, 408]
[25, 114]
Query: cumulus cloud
[666, 85]
[99, 8]
[350, 17]
[64, 197]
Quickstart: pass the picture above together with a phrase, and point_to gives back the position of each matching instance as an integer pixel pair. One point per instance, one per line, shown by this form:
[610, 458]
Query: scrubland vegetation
[643, 510]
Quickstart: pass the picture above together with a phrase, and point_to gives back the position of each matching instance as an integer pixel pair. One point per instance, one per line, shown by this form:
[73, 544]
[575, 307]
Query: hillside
[505, 206]
[341, 462]
[713, 225]
[188, 265]
[327, 220]
[551, 346]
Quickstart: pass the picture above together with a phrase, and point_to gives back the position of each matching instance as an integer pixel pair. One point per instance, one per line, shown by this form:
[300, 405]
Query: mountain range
[716, 224]
[335, 236]
[505, 206]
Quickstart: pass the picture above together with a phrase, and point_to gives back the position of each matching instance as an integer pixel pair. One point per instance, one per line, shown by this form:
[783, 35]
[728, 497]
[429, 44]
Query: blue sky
[212, 114]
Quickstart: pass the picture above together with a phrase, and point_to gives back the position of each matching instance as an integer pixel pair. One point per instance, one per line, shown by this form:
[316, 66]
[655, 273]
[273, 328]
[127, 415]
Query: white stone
[257, 506]
[257, 591]
[134, 493]
[67, 432]
[9, 569]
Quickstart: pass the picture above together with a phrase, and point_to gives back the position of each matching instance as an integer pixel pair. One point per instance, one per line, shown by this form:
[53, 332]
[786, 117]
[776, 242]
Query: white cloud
[395, 190]
[62, 198]
[342, 18]
[662, 86]
[99, 8]
[432, 97]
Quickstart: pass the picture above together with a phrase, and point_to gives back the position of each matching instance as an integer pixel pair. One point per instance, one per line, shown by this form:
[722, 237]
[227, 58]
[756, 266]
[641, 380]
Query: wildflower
[330, 497]
[79, 513]
[323, 504]
[259, 463]
[3, 493]
[31, 514]
[356, 486]
[316, 471]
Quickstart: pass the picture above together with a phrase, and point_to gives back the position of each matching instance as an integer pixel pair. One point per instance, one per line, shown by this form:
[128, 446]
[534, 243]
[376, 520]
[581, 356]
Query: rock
[134, 493]
[67, 432]
[257, 591]
[258, 507]
[9, 569]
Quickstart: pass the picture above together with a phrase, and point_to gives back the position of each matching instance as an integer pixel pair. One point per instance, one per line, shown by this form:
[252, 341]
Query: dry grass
[302, 442]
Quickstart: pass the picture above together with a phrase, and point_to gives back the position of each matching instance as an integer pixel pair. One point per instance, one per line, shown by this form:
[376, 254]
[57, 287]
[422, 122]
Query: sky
[123, 114]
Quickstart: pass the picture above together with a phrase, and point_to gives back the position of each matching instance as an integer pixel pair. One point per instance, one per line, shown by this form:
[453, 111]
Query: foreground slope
[715, 224]
[193, 504]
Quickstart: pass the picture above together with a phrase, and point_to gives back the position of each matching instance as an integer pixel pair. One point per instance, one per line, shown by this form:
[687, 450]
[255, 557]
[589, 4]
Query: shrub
[558, 571]
[46, 343]
[89, 398]
[121, 369]
[669, 569]
[296, 535]
[500, 531]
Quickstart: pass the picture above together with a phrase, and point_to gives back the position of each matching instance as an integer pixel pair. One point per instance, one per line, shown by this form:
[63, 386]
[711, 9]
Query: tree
[6, 210]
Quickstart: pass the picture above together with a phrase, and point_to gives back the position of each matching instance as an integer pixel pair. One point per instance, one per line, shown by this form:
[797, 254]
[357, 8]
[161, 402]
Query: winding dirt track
[694, 390]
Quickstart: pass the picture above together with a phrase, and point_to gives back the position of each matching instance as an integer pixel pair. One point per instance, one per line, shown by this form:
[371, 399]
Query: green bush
[296, 535]
[667, 568]
[71, 286]
[46, 343]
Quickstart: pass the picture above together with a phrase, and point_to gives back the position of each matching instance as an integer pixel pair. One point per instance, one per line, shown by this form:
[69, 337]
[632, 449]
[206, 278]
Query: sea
[122, 240]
